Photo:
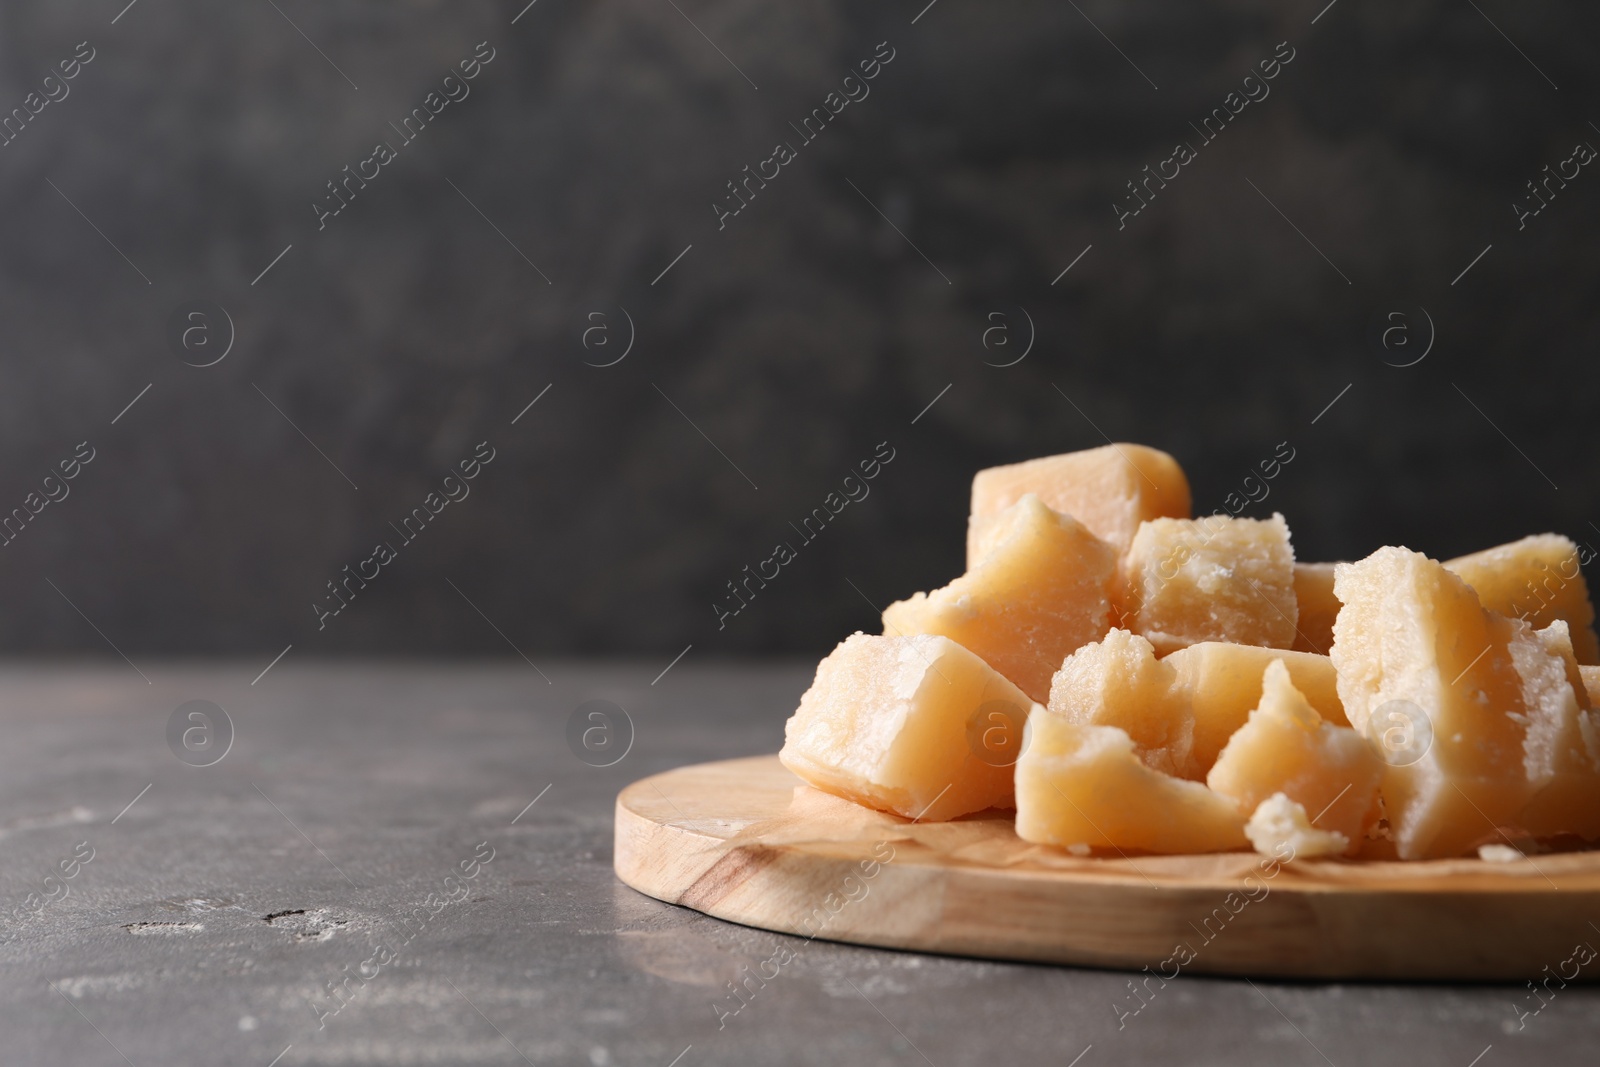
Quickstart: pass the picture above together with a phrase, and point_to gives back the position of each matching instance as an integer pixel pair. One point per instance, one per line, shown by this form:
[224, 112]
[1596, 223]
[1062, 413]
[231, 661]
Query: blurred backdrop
[402, 223]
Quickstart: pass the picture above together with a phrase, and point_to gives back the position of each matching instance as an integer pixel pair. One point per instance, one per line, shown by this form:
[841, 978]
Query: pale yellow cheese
[1040, 592]
[1562, 749]
[1223, 684]
[895, 723]
[1084, 785]
[1474, 683]
[1287, 748]
[1590, 676]
[1215, 578]
[1119, 682]
[1313, 594]
[1191, 706]
[1110, 490]
[1279, 827]
[1538, 579]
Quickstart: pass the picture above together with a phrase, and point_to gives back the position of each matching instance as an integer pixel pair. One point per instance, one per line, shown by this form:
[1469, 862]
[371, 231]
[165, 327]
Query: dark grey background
[796, 339]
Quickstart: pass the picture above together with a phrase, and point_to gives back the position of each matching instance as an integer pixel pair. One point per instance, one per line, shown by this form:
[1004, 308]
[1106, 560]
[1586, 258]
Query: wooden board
[745, 840]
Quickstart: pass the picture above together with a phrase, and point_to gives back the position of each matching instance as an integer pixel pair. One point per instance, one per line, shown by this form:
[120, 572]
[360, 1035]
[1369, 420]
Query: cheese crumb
[1498, 854]
[1279, 822]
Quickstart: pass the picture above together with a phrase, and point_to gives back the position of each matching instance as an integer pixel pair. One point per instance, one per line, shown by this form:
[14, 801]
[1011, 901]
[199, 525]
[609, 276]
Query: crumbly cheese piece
[1082, 784]
[1286, 749]
[1484, 710]
[1590, 679]
[1493, 853]
[1313, 595]
[1215, 578]
[1111, 490]
[1041, 591]
[1223, 681]
[1119, 682]
[918, 726]
[1561, 751]
[1279, 827]
[1537, 579]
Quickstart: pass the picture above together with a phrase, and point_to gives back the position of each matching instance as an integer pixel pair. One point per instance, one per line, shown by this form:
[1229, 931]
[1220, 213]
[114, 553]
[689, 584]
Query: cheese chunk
[1119, 682]
[1412, 635]
[1590, 676]
[891, 722]
[1563, 744]
[1223, 683]
[1216, 578]
[1287, 748]
[1538, 579]
[1085, 785]
[1110, 490]
[1040, 592]
[1279, 827]
[1313, 594]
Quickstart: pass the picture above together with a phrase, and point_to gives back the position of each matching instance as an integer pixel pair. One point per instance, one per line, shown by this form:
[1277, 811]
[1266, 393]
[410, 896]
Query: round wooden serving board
[745, 840]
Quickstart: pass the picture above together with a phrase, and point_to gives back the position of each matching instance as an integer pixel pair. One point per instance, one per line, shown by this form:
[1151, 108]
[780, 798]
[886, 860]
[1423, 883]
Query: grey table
[276, 903]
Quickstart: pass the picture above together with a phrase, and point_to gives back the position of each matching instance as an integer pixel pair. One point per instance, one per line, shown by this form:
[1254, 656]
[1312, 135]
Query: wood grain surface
[744, 840]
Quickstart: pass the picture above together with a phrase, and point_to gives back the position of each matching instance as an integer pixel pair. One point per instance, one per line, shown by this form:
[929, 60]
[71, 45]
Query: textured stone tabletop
[361, 879]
